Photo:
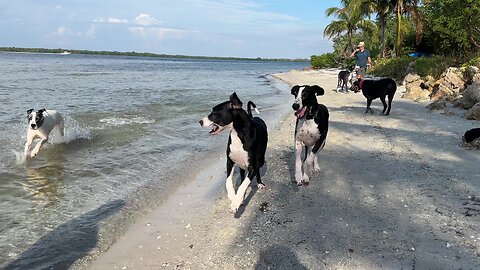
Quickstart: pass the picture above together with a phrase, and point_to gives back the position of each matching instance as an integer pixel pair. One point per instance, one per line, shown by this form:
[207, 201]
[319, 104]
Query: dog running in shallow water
[40, 124]
[311, 129]
[246, 145]
[373, 89]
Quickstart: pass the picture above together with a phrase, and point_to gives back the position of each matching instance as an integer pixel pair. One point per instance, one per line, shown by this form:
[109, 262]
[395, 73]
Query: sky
[232, 28]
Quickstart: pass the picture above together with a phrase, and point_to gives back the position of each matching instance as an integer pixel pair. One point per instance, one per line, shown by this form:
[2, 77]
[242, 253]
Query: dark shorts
[361, 71]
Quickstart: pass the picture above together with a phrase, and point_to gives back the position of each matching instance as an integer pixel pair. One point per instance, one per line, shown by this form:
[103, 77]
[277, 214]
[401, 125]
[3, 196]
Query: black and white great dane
[246, 145]
[311, 129]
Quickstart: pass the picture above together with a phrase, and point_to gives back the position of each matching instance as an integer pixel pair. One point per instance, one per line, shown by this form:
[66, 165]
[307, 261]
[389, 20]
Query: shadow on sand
[71, 241]
[390, 207]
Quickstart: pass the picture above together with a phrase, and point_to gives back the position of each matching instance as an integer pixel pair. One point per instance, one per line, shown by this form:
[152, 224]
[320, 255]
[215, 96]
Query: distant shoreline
[144, 54]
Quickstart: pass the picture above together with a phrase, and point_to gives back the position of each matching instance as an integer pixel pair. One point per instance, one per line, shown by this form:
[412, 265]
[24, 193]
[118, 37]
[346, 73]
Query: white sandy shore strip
[394, 192]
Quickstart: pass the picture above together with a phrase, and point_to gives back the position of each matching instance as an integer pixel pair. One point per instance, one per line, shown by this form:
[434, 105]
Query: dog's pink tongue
[301, 113]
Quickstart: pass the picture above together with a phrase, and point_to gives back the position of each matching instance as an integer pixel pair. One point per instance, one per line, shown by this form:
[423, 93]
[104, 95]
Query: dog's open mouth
[301, 113]
[215, 129]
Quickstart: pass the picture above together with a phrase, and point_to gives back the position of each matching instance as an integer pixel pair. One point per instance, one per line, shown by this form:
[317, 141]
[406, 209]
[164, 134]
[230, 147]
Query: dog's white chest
[237, 153]
[307, 132]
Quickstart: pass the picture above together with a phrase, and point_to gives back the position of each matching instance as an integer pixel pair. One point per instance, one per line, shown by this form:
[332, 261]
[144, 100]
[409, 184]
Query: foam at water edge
[120, 121]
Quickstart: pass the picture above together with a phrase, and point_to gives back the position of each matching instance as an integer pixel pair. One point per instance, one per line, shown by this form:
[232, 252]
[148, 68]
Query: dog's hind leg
[242, 174]
[390, 98]
[318, 146]
[260, 184]
[229, 182]
[384, 104]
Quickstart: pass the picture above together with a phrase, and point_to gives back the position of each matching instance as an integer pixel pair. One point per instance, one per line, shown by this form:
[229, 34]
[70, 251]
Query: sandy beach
[395, 192]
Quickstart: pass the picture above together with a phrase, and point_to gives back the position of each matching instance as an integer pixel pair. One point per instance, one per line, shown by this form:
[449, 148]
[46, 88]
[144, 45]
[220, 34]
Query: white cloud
[64, 31]
[158, 32]
[110, 20]
[91, 32]
[146, 19]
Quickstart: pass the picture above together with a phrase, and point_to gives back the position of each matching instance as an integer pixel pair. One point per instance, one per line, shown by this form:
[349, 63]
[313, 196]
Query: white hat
[361, 44]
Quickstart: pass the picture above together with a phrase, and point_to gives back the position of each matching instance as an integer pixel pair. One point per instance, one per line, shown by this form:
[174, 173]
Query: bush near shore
[399, 67]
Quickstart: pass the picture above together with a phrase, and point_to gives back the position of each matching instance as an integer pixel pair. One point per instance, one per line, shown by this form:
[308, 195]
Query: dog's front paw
[305, 180]
[234, 206]
[299, 178]
[34, 153]
[261, 186]
[316, 168]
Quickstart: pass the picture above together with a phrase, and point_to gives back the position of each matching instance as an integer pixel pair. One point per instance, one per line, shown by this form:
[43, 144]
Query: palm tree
[382, 8]
[407, 7]
[348, 23]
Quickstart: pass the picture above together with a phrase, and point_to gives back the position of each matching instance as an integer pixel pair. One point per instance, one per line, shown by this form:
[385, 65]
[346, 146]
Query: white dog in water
[40, 124]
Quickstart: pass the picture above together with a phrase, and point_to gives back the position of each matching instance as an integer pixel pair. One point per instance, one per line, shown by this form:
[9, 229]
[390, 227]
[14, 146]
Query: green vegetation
[323, 61]
[396, 67]
[144, 54]
[449, 30]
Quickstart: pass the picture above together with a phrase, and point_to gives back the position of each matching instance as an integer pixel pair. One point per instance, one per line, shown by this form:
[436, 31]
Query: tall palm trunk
[349, 46]
[398, 39]
[383, 28]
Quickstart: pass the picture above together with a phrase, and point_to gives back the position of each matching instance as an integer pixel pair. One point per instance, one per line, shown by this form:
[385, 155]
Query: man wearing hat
[363, 60]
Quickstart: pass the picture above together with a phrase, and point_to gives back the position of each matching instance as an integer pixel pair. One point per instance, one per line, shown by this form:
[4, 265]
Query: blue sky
[238, 28]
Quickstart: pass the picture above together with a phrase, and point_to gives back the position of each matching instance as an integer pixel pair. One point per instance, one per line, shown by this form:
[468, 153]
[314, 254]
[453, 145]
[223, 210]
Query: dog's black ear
[235, 101]
[319, 91]
[295, 90]
[29, 111]
[41, 111]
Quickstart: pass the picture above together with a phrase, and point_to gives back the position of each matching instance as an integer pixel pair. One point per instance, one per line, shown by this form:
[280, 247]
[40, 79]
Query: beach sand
[395, 192]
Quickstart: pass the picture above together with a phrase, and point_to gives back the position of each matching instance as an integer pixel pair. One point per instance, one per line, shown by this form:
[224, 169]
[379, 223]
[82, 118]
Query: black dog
[373, 89]
[246, 146]
[344, 76]
[310, 130]
[472, 138]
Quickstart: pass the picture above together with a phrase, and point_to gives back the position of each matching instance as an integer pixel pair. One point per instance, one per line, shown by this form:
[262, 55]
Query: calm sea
[130, 123]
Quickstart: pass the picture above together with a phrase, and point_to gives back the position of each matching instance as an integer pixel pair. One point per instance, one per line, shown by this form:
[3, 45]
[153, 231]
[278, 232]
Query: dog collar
[361, 84]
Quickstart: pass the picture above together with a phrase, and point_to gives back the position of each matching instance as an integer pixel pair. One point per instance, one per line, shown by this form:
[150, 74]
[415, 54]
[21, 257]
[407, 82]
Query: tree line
[142, 54]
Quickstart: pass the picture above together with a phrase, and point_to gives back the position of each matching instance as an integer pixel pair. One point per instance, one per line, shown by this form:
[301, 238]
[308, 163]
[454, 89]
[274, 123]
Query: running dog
[246, 145]
[344, 77]
[40, 124]
[311, 129]
[373, 89]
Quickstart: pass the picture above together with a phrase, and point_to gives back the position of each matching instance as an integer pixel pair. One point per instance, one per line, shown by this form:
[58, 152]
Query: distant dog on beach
[344, 77]
[471, 138]
[311, 129]
[246, 145]
[373, 89]
[40, 124]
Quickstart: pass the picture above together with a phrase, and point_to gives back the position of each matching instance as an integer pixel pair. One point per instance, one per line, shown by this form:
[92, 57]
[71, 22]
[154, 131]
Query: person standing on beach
[363, 60]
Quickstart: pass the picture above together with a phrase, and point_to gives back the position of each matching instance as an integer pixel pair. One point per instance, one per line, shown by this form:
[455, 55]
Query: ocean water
[130, 122]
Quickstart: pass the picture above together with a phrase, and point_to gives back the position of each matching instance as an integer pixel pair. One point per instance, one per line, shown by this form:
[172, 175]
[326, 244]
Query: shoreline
[393, 193]
[205, 175]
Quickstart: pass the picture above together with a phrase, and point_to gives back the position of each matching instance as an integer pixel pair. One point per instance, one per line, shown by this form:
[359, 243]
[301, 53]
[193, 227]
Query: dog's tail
[250, 104]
